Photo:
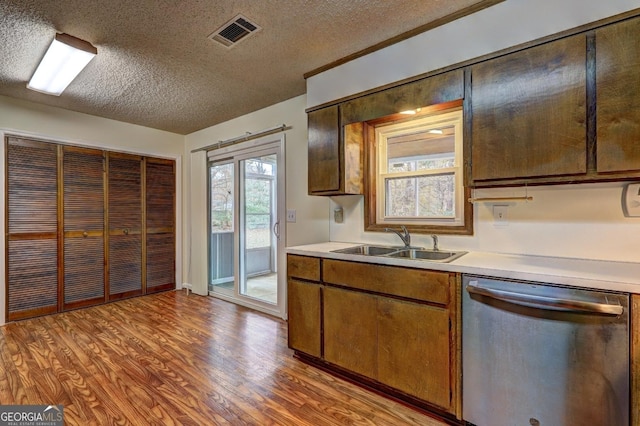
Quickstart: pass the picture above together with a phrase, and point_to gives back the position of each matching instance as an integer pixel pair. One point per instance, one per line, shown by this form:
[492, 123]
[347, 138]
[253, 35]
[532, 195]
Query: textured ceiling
[157, 68]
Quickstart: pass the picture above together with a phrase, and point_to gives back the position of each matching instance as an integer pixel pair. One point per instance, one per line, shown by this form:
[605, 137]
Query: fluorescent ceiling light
[64, 60]
[436, 131]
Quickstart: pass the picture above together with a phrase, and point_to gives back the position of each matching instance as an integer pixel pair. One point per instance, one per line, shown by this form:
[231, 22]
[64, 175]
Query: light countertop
[616, 276]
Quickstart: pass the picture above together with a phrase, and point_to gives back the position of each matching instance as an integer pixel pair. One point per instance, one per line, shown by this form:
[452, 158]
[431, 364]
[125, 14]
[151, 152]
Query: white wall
[312, 221]
[55, 124]
[581, 221]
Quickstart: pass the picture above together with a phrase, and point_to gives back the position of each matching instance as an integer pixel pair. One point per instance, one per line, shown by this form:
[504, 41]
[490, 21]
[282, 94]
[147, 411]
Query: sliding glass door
[221, 217]
[246, 190]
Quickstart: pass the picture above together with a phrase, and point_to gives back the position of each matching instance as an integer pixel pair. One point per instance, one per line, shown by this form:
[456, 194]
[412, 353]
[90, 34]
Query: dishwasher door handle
[543, 302]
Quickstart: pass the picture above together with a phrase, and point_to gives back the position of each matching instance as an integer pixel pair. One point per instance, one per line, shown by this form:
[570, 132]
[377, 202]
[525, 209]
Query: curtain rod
[246, 137]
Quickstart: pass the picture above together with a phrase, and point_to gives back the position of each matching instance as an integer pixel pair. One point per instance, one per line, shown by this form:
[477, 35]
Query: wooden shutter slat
[32, 226]
[125, 264]
[32, 187]
[83, 190]
[125, 215]
[84, 260]
[160, 260]
[125, 193]
[160, 195]
[160, 216]
[33, 276]
[83, 269]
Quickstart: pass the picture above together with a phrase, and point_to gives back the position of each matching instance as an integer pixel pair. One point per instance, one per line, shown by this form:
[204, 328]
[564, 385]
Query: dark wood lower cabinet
[305, 311]
[350, 331]
[414, 352]
[389, 328]
[77, 232]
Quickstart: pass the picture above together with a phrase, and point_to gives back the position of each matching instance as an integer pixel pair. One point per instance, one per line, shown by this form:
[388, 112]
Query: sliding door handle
[276, 229]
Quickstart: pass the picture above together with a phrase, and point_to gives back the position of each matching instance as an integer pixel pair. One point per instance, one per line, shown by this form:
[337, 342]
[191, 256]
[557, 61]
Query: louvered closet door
[125, 225]
[32, 244]
[84, 261]
[160, 231]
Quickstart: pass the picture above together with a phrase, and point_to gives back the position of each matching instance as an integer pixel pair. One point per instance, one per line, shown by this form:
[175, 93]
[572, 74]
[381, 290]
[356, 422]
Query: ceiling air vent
[234, 31]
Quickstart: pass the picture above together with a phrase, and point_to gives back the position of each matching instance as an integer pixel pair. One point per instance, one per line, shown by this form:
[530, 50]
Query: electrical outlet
[291, 215]
[500, 215]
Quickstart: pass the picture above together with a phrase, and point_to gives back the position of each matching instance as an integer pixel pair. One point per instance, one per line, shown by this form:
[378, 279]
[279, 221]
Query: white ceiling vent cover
[233, 32]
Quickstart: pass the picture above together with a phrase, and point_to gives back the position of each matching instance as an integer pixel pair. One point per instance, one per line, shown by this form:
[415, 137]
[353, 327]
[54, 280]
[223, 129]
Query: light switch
[291, 215]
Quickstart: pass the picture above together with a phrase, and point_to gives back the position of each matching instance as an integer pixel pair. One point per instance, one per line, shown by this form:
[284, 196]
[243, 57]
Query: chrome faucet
[435, 242]
[404, 235]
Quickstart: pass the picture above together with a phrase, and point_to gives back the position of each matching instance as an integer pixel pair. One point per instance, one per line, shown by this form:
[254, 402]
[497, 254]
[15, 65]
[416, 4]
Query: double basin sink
[403, 253]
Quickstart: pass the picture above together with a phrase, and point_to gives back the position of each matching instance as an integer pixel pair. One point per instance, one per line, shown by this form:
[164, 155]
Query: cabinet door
[160, 228]
[125, 225]
[304, 312]
[529, 113]
[324, 151]
[84, 260]
[618, 96]
[414, 353]
[437, 89]
[350, 331]
[32, 221]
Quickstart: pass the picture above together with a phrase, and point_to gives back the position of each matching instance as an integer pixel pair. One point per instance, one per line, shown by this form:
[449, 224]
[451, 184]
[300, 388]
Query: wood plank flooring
[171, 359]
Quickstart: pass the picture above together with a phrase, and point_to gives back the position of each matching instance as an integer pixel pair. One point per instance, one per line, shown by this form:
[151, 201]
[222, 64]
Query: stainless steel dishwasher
[542, 355]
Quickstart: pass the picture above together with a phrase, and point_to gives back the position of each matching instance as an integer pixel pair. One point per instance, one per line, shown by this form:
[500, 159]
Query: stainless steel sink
[431, 255]
[403, 253]
[368, 250]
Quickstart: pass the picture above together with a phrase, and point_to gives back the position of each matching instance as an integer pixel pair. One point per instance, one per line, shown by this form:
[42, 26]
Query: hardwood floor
[170, 358]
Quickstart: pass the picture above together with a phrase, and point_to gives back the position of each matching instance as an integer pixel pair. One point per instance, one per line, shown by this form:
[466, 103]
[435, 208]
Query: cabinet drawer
[306, 268]
[420, 284]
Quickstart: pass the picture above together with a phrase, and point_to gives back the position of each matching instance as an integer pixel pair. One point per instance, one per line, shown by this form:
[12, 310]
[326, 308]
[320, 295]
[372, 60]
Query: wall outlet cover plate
[631, 200]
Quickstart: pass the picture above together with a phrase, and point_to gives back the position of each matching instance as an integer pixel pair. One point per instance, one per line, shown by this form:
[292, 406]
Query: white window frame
[388, 131]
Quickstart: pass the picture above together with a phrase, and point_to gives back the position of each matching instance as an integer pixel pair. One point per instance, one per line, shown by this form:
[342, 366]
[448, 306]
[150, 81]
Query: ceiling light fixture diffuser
[65, 58]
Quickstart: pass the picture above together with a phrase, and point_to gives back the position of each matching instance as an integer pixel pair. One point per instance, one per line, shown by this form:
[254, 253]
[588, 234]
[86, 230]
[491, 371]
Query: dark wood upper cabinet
[324, 150]
[160, 224]
[336, 133]
[434, 90]
[618, 97]
[32, 226]
[529, 113]
[125, 225]
[335, 154]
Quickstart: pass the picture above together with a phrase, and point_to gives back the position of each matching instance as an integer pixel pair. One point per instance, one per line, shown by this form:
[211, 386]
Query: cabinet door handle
[126, 231]
[85, 234]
